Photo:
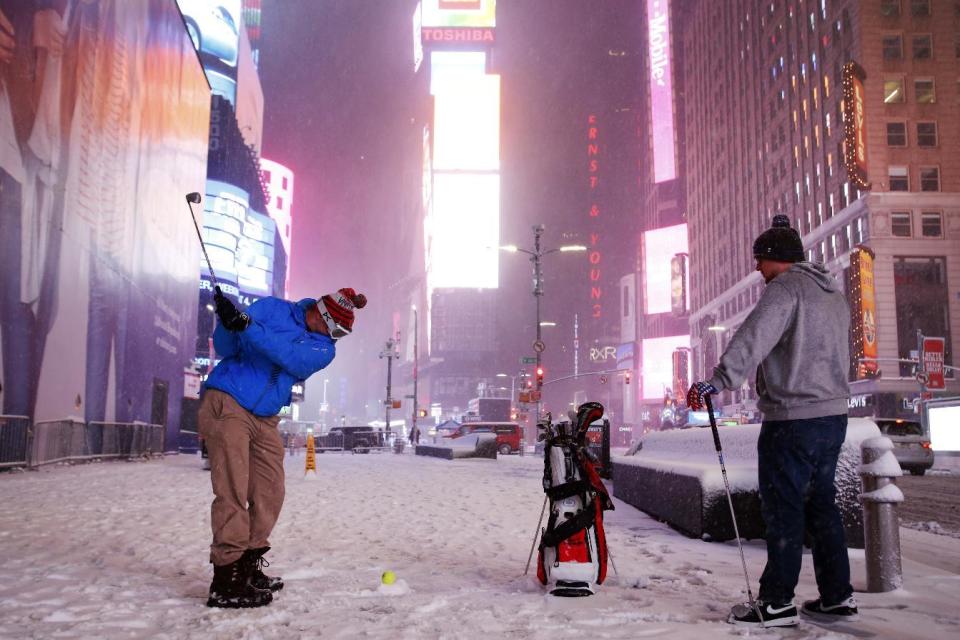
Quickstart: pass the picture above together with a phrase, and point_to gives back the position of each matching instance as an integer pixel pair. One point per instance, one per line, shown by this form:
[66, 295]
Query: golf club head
[193, 197]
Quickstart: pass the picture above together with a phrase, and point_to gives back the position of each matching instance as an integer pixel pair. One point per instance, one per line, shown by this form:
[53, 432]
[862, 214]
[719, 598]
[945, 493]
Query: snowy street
[119, 550]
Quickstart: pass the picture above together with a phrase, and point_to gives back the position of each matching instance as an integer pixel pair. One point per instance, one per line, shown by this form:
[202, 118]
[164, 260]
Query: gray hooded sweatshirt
[798, 333]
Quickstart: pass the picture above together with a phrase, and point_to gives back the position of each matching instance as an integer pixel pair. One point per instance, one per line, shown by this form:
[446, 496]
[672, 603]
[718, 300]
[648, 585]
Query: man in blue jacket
[264, 351]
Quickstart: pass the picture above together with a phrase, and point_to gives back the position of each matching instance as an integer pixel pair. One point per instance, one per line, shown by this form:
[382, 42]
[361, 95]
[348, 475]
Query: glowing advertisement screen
[459, 13]
[465, 230]
[104, 124]
[944, 428]
[467, 126]
[659, 248]
[255, 254]
[214, 27]
[657, 365]
[661, 91]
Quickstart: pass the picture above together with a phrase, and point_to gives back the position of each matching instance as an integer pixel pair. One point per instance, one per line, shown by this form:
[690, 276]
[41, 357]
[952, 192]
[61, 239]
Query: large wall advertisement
[463, 221]
[457, 22]
[100, 137]
[661, 91]
[657, 366]
[240, 244]
[214, 27]
[659, 248]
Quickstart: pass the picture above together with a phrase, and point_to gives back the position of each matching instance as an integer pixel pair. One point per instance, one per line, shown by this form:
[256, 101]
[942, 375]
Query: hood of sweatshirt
[818, 273]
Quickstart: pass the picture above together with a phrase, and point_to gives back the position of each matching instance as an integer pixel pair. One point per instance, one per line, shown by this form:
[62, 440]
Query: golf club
[733, 516]
[192, 199]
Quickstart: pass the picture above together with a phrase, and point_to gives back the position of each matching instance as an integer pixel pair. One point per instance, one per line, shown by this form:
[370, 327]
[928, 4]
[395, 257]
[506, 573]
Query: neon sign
[594, 256]
[661, 91]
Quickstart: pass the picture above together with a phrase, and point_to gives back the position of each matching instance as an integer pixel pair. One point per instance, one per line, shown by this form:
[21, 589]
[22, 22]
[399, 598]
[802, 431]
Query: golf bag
[573, 549]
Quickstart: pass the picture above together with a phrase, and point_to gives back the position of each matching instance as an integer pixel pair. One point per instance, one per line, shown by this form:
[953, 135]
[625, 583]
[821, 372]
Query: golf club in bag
[573, 548]
[733, 516]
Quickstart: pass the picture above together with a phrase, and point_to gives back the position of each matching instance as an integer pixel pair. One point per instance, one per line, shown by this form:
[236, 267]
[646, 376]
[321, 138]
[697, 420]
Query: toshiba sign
[451, 35]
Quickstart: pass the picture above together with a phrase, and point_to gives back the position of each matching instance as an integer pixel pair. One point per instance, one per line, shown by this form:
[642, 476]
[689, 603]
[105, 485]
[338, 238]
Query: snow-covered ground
[119, 550]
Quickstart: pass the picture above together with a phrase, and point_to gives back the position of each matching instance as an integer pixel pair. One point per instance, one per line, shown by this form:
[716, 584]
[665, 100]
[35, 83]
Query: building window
[929, 178]
[890, 8]
[901, 224]
[279, 203]
[922, 46]
[922, 304]
[892, 47]
[920, 8]
[898, 178]
[956, 43]
[893, 91]
[931, 224]
[896, 134]
[926, 134]
[284, 183]
[924, 91]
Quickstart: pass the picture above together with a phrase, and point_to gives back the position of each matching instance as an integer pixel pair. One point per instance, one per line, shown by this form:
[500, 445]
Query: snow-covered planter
[675, 476]
[482, 445]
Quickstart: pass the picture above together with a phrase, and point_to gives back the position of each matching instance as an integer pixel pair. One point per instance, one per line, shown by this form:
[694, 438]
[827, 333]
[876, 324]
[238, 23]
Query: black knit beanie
[780, 242]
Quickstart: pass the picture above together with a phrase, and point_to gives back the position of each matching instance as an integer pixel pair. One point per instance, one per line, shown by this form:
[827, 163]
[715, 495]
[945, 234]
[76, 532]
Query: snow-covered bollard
[881, 527]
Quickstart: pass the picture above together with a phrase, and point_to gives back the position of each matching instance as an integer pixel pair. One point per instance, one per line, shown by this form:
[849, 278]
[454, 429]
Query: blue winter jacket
[261, 363]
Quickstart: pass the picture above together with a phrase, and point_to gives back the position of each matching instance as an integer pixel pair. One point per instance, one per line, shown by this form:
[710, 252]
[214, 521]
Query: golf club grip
[713, 422]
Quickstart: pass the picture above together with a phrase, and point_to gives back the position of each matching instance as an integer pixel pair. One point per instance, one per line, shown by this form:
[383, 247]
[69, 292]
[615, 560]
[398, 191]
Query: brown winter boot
[231, 588]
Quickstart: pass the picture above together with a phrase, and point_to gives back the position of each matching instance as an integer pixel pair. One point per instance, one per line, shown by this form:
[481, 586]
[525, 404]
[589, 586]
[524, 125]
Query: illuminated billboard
[214, 27]
[659, 248]
[661, 91]
[102, 134]
[863, 314]
[854, 127]
[657, 365]
[465, 231]
[459, 13]
[467, 126]
[461, 175]
[239, 241]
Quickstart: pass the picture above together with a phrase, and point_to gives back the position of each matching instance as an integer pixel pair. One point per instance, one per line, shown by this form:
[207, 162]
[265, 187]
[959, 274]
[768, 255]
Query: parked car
[356, 439]
[508, 434]
[910, 445]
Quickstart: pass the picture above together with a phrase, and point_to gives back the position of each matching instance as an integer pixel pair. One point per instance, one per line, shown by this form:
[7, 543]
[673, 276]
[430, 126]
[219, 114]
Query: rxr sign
[602, 354]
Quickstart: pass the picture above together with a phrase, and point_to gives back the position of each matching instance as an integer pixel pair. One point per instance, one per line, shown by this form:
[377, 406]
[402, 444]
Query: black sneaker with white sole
[845, 611]
[774, 615]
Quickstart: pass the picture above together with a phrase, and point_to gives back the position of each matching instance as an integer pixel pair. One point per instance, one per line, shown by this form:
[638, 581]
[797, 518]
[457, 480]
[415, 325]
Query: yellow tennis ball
[388, 577]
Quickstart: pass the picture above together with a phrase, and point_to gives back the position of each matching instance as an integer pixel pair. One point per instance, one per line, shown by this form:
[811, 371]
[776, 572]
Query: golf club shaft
[203, 247]
[733, 516]
[536, 532]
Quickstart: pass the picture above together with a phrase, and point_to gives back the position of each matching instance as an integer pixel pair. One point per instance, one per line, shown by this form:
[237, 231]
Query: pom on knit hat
[780, 242]
[337, 310]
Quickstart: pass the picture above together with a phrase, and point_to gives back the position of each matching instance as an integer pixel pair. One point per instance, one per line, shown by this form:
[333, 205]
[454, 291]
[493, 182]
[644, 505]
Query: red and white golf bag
[573, 548]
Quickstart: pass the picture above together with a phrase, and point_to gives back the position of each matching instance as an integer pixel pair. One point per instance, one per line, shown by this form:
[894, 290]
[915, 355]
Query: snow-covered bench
[675, 477]
[479, 445]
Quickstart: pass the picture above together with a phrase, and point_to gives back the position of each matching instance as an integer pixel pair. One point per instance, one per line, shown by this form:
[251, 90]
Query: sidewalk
[119, 550]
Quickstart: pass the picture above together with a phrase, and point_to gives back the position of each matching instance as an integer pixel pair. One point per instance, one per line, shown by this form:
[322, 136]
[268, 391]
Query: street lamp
[415, 367]
[536, 255]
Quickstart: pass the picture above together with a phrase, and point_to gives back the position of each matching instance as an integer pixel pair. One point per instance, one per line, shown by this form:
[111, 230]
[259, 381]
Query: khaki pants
[246, 469]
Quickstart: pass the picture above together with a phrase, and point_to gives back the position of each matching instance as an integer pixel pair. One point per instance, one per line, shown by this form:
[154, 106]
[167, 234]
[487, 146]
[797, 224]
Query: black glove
[231, 318]
[696, 394]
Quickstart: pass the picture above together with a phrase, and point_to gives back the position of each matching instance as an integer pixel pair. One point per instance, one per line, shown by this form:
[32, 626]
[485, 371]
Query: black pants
[797, 465]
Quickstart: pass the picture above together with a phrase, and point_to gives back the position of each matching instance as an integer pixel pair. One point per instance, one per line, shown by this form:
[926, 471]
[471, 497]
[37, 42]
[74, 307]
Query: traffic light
[422, 413]
[539, 377]
[514, 414]
[626, 377]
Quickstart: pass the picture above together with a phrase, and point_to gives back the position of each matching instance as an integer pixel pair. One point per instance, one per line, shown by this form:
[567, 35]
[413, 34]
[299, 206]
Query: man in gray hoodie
[798, 335]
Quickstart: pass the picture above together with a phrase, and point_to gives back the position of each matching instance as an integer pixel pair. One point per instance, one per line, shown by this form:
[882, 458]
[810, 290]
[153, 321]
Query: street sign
[932, 362]
[539, 346]
[524, 397]
[528, 360]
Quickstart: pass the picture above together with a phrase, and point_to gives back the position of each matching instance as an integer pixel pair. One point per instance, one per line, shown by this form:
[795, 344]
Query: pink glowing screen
[661, 90]
[659, 247]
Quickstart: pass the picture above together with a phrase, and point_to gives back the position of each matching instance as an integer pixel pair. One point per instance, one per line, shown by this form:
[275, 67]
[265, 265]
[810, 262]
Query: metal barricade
[59, 441]
[14, 441]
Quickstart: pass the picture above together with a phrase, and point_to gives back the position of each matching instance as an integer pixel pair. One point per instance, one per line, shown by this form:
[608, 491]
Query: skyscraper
[843, 115]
